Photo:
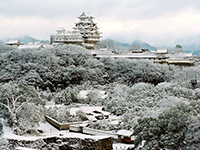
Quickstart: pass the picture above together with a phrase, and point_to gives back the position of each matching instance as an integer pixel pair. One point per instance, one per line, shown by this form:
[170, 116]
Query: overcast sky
[158, 22]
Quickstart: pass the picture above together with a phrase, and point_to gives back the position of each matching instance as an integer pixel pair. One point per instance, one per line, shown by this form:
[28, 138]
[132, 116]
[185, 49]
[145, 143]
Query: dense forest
[159, 102]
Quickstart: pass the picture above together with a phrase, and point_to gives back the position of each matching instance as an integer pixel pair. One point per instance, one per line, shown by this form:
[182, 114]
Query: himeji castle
[84, 33]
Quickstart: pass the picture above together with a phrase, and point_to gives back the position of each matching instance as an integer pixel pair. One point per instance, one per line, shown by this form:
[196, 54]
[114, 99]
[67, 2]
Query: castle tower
[88, 29]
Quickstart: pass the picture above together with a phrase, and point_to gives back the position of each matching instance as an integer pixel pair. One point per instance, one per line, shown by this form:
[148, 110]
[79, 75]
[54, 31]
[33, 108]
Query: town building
[14, 43]
[84, 33]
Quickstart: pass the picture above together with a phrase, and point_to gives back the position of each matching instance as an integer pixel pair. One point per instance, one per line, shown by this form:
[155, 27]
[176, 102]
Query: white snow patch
[90, 110]
[74, 110]
[121, 146]
[114, 117]
[52, 104]
[49, 131]
[9, 135]
[114, 122]
[24, 148]
[84, 93]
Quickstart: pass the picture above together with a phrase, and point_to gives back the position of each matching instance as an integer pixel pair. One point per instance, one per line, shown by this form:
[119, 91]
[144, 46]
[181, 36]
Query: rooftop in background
[162, 51]
[14, 43]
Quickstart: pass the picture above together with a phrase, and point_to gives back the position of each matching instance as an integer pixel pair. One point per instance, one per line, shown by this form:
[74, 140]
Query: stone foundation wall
[62, 143]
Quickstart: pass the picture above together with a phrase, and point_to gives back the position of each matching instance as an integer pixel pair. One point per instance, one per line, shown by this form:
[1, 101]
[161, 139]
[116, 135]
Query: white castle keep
[84, 33]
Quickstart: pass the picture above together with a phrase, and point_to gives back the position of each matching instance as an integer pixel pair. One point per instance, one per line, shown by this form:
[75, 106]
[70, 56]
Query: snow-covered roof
[31, 46]
[135, 56]
[125, 132]
[120, 146]
[180, 55]
[181, 61]
[14, 42]
[163, 51]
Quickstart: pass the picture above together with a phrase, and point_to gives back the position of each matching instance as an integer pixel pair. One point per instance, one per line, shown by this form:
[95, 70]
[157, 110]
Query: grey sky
[159, 22]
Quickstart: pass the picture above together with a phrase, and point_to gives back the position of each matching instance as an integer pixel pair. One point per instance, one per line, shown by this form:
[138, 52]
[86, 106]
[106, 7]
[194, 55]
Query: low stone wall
[58, 125]
[62, 143]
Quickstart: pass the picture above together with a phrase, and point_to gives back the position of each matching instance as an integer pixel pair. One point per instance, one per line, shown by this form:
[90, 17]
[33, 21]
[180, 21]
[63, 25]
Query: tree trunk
[14, 123]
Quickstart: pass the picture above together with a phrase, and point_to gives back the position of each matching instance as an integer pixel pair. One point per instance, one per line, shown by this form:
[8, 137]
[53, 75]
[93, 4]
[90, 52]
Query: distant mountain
[24, 39]
[197, 52]
[191, 45]
[45, 42]
[1, 42]
[118, 44]
[143, 45]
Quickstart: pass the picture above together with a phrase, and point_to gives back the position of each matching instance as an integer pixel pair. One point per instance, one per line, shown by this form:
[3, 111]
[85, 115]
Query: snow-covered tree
[15, 97]
[133, 71]
[62, 114]
[107, 43]
[169, 130]
[135, 47]
[192, 136]
[178, 48]
[63, 97]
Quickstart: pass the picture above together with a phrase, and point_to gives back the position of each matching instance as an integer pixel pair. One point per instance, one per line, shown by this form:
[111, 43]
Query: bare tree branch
[9, 109]
[22, 105]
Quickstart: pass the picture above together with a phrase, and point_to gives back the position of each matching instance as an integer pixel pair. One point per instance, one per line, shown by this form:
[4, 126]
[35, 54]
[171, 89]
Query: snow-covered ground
[121, 146]
[9, 135]
[23, 148]
[49, 131]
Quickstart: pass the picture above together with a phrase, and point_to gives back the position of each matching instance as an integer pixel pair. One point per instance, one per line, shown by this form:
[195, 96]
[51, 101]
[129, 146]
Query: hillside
[1, 42]
[156, 101]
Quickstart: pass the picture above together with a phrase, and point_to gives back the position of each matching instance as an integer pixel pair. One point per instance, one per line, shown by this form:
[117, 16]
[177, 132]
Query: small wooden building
[126, 136]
